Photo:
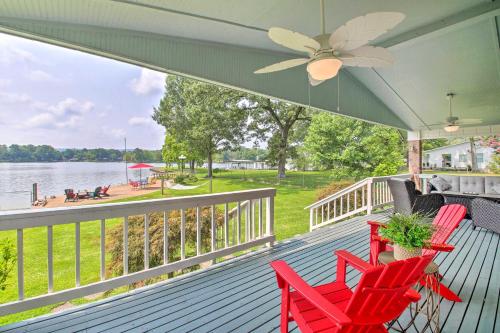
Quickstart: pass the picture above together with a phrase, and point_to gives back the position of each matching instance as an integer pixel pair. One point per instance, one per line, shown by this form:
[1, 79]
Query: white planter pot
[401, 253]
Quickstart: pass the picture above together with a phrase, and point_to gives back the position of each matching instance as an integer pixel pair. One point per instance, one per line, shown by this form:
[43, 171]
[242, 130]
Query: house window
[462, 158]
[479, 158]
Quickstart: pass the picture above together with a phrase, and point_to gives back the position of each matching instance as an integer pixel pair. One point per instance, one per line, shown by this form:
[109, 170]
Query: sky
[70, 99]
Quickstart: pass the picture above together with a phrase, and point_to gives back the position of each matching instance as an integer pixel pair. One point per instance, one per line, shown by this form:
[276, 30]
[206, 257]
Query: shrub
[332, 188]
[114, 239]
[494, 165]
[185, 178]
[7, 262]
[409, 231]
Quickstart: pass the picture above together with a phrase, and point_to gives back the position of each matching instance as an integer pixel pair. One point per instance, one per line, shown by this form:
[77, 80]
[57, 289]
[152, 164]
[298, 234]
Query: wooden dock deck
[241, 295]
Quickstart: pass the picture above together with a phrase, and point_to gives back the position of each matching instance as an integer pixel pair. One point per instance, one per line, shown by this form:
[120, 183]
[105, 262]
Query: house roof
[439, 47]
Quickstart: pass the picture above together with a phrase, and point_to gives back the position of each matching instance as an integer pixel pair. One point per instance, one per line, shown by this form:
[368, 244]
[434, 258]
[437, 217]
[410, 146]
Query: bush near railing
[7, 262]
[332, 188]
[114, 240]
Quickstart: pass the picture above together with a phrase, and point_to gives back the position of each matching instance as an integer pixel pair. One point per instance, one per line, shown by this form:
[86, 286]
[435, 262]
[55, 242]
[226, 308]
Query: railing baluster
[50, 258]
[335, 208]
[363, 203]
[198, 232]
[226, 225]
[355, 199]
[348, 202]
[183, 234]
[322, 213]
[270, 217]
[260, 217]
[146, 241]
[341, 205]
[328, 211]
[20, 265]
[77, 254]
[165, 237]
[238, 222]
[125, 245]
[213, 228]
[103, 250]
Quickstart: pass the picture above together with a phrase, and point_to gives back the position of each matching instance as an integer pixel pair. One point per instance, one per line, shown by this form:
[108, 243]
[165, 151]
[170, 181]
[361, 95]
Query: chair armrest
[413, 295]
[288, 275]
[377, 223]
[344, 258]
[440, 247]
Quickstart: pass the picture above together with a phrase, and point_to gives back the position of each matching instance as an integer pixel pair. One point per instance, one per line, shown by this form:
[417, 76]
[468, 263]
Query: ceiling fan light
[451, 128]
[324, 68]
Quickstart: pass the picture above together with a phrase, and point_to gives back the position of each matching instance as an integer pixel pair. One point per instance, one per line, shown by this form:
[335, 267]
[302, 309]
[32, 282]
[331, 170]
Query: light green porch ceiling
[441, 46]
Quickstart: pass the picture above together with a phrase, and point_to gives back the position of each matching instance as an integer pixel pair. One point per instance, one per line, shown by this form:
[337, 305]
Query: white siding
[434, 158]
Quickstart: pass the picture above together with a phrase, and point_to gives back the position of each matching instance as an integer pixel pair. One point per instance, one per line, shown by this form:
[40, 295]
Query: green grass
[293, 194]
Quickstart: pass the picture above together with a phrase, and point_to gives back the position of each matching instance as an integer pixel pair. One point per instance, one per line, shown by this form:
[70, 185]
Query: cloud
[71, 106]
[140, 121]
[67, 113]
[40, 76]
[5, 83]
[118, 133]
[14, 98]
[149, 82]
[10, 54]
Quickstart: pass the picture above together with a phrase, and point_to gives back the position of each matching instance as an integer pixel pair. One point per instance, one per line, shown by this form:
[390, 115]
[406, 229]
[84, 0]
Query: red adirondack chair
[382, 294]
[446, 221]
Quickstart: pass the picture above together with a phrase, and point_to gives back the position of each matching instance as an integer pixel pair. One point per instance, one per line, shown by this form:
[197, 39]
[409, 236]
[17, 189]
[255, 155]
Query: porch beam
[453, 22]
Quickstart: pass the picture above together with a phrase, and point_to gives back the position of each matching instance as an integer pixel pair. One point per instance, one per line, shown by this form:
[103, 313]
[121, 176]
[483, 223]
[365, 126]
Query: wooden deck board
[241, 295]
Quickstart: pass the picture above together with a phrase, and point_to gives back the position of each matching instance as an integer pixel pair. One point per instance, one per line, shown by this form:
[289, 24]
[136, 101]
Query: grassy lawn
[293, 194]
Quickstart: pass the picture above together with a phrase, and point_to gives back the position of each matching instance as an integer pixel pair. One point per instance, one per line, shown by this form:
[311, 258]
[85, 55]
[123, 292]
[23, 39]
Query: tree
[434, 143]
[353, 148]
[279, 118]
[205, 117]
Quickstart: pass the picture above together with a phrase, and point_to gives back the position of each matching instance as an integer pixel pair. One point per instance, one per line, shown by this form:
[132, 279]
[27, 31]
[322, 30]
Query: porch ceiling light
[451, 128]
[324, 68]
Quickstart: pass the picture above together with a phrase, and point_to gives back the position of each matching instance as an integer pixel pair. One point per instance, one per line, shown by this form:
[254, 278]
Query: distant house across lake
[457, 156]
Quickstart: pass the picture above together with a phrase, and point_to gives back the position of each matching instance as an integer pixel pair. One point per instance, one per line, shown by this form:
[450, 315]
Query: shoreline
[116, 192]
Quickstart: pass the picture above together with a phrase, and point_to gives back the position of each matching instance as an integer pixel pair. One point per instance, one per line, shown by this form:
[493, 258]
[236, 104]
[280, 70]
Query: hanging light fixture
[452, 126]
[324, 68]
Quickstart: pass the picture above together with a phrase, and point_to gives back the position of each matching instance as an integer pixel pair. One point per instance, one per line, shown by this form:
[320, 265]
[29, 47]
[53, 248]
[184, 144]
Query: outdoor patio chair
[382, 294]
[408, 200]
[96, 194]
[135, 185]
[446, 221]
[70, 195]
[104, 191]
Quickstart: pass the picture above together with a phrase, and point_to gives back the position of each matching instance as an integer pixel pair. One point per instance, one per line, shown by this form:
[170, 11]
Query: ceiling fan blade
[279, 66]
[368, 56]
[469, 121]
[314, 82]
[363, 29]
[293, 40]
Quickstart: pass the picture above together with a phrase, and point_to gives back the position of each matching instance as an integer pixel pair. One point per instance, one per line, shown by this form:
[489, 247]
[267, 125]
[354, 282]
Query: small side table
[428, 305]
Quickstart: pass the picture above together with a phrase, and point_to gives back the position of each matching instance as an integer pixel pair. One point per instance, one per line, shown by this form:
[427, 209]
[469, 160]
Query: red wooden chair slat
[334, 307]
[445, 222]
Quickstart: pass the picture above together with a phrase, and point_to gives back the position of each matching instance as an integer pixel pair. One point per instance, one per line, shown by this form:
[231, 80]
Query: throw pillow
[440, 184]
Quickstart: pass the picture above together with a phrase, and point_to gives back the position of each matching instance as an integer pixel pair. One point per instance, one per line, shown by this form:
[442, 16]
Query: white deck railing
[252, 225]
[363, 196]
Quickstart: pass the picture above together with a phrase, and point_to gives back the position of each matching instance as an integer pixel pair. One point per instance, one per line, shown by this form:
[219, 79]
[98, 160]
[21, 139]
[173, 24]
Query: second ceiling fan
[346, 46]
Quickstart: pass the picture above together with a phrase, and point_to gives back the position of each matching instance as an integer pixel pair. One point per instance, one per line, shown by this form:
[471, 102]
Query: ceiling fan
[345, 46]
[453, 123]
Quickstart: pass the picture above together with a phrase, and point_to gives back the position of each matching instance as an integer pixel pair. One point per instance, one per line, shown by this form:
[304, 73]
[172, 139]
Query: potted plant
[408, 233]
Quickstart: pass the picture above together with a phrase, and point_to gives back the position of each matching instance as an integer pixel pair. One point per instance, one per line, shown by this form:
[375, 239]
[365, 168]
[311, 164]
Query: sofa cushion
[472, 184]
[454, 182]
[440, 184]
[492, 185]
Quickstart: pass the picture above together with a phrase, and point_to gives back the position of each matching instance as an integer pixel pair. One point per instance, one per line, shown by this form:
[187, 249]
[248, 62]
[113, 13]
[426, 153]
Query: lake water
[53, 178]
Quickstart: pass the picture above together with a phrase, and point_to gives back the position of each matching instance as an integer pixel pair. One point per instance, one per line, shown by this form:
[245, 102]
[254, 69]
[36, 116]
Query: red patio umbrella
[140, 166]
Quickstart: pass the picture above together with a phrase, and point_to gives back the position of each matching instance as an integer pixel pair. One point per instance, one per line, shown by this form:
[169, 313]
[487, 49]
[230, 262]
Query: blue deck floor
[241, 295]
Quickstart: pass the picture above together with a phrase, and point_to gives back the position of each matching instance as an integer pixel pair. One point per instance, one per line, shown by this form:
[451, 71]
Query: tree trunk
[192, 164]
[473, 155]
[282, 154]
[209, 162]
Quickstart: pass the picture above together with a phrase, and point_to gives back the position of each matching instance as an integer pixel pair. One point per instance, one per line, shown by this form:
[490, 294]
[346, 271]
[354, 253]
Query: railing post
[369, 205]
[270, 218]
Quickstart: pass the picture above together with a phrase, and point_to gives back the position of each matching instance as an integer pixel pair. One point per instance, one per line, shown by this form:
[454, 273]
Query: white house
[457, 156]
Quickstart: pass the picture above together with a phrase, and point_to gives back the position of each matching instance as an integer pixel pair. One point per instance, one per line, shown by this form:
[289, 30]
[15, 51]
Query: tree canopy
[352, 148]
[203, 118]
